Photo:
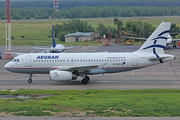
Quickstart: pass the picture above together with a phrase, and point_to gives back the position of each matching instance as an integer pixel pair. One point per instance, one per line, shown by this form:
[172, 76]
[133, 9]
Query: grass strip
[136, 103]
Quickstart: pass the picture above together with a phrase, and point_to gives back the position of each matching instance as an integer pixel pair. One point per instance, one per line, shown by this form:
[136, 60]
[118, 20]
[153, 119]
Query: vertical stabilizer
[54, 44]
[156, 43]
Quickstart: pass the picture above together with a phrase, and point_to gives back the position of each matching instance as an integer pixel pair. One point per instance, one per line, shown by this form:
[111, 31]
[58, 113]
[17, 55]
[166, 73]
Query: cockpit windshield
[15, 60]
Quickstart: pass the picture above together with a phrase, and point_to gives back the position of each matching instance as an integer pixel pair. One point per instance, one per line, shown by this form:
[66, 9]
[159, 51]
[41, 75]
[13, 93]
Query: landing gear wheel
[88, 78]
[30, 78]
[174, 46]
[29, 81]
[85, 81]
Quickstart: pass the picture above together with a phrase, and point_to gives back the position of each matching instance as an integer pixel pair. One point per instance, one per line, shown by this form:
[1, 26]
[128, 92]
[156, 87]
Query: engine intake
[62, 75]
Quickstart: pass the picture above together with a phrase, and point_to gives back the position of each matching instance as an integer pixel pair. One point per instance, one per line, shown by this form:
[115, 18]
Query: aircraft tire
[29, 81]
[88, 78]
[174, 46]
[84, 81]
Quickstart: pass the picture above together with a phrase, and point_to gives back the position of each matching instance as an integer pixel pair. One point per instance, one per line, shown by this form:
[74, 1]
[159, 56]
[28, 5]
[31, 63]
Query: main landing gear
[174, 46]
[85, 80]
[30, 78]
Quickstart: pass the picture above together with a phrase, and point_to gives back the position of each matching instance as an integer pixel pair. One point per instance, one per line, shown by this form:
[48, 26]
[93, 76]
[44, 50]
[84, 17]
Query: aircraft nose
[7, 66]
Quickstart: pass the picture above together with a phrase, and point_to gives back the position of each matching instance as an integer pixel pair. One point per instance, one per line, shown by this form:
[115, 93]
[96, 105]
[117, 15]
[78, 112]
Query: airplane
[168, 42]
[56, 48]
[69, 66]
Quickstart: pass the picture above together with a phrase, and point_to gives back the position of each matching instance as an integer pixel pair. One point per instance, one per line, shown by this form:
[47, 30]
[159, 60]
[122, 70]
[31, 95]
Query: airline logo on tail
[159, 37]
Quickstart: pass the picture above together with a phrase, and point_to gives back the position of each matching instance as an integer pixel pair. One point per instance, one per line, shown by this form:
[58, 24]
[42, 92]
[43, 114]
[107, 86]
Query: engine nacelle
[52, 50]
[62, 75]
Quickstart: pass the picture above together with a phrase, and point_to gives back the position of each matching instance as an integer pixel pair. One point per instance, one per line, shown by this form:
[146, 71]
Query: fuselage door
[135, 60]
[28, 61]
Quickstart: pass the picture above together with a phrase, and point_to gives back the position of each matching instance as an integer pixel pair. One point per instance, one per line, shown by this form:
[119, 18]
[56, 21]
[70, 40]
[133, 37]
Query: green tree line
[64, 4]
[89, 12]
[137, 28]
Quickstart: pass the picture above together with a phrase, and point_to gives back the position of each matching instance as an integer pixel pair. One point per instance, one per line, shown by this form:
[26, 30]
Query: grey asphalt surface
[162, 76]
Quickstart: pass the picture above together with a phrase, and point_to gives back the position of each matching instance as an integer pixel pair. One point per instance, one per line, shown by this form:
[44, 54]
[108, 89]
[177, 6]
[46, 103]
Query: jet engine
[62, 75]
[58, 48]
[53, 50]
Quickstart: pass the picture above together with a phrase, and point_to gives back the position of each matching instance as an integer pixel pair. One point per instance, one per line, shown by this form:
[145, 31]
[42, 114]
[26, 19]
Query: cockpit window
[15, 60]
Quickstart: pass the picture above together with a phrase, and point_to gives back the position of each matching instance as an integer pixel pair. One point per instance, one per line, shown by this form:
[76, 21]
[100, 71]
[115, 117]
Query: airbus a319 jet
[69, 66]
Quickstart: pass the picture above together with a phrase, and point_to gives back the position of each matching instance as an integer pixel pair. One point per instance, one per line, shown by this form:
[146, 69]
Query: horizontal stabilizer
[162, 57]
[155, 58]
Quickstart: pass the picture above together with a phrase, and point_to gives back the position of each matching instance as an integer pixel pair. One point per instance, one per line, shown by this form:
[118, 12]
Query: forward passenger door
[28, 61]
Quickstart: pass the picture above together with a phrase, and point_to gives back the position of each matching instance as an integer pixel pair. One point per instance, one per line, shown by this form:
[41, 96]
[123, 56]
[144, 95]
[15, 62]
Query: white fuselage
[42, 63]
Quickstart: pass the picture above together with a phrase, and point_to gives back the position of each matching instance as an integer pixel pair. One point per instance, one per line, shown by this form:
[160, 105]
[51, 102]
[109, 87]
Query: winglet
[54, 44]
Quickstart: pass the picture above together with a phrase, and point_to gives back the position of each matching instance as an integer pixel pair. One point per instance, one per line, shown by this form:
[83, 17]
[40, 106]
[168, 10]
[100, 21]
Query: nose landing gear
[30, 78]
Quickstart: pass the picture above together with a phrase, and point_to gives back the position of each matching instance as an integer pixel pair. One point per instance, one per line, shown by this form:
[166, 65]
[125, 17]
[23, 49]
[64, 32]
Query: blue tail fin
[54, 44]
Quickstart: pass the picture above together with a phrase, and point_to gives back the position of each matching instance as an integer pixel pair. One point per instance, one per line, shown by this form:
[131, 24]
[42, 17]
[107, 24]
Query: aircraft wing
[70, 47]
[175, 39]
[16, 53]
[135, 38]
[81, 68]
[40, 48]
